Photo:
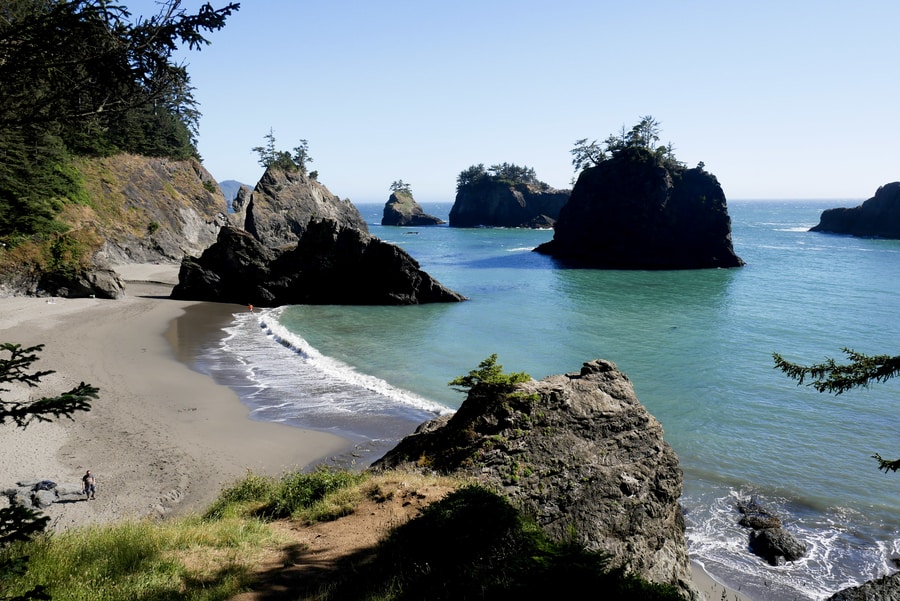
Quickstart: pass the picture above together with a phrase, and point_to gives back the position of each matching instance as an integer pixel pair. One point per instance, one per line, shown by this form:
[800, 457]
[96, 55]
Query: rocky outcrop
[768, 538]
[878, 217]
[886, 588]
[500, 204]
[330, 264]
[636, 211]
[401, 209]
[578, 452]
[96, 282]
[281, 205]
[150, 210]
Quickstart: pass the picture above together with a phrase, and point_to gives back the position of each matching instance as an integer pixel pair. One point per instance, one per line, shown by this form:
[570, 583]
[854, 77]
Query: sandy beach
[161, 439]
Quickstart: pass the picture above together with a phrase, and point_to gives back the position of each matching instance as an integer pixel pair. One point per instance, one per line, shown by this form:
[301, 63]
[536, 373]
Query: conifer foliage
[84, 77]
[19, 523]
[837, 378]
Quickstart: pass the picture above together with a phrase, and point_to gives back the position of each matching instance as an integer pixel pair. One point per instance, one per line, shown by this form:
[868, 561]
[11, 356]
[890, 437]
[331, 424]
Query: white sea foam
[839, 554]
[280, 357]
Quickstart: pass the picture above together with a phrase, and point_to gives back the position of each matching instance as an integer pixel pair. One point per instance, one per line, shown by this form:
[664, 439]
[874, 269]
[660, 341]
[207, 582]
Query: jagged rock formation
[278, 210]
[98, 282]
[580, 453]
[501, 204]
[636, 211]
[330, 264]
[886, 588]
[401, 209]
[150, 210]
[768, 538]
[878, 217]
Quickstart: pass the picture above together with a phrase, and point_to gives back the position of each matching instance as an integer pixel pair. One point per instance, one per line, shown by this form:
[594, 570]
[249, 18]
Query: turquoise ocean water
[696, 344]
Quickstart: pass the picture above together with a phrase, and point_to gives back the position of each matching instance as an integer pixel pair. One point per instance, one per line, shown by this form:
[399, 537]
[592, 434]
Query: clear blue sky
[780, 99]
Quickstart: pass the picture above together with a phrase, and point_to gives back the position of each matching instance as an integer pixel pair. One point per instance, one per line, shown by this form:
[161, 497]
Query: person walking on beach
[88, 484]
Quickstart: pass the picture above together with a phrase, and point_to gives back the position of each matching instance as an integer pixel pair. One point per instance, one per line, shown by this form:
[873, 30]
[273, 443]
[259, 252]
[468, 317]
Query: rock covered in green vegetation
[878, 217]
[330, 264]
[642, 210]
[505, 196]
[577, 451]
[283, 203]
[401, 209]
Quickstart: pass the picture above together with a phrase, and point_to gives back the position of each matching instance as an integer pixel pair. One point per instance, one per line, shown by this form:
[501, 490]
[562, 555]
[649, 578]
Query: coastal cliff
[878, 217]
[129, 209]
[637, 210]
[151, 210]
[578, 452]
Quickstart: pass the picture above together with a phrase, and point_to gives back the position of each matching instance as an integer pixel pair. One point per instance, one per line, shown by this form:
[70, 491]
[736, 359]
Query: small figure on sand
[250, 307]
[88, 485]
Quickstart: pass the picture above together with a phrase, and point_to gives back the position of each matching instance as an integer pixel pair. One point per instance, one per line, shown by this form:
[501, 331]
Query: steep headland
[131, 209]
[152, 210]
[878, 217]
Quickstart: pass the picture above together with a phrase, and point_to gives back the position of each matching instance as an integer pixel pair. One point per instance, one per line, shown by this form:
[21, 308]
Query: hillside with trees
[85, 78]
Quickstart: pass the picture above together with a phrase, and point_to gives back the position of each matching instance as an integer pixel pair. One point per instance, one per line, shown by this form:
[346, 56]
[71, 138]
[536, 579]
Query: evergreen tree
[19, 523]
[79, 76]
[831, 376]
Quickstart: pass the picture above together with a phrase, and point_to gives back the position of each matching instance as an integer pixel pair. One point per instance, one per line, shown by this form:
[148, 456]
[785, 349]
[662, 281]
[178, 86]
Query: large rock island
[642, 209]
[878, 217]
[578, 452]
[505, 196]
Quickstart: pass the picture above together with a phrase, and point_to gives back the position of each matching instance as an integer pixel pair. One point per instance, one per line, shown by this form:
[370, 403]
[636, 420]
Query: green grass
[202, 558]
[473, 544]
[153, 561]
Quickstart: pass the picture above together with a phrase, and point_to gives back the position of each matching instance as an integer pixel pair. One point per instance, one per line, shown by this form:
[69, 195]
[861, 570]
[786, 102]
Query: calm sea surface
[696, 344]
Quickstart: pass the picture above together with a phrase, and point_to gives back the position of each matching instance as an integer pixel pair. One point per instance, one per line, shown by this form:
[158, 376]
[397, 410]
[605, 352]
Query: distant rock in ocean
[637, 210]
[505, 196]
[401, 209]
[878, 217]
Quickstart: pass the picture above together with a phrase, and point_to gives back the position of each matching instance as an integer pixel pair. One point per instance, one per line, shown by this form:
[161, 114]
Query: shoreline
[162, 439]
